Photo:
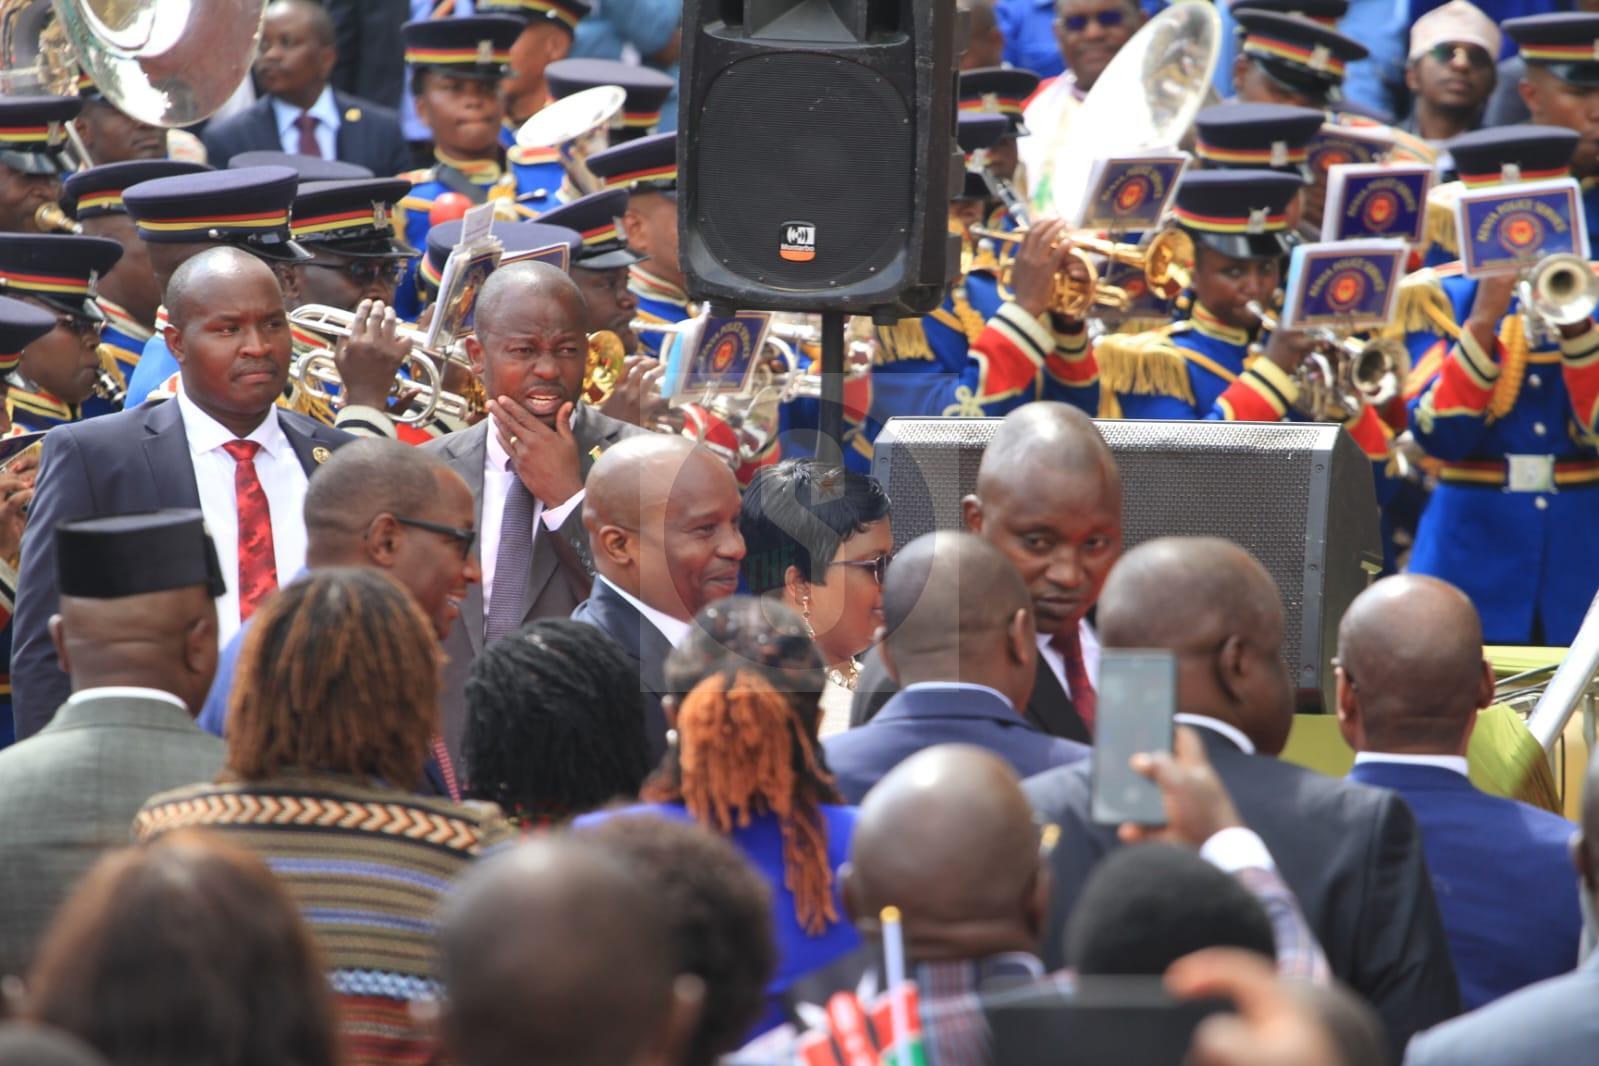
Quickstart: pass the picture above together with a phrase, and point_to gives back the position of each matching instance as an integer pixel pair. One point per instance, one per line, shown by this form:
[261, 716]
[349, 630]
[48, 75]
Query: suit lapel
[267, 124]
[589, 435]
[166, 449]
[308, 447]
[466, 455]
[1051, 710]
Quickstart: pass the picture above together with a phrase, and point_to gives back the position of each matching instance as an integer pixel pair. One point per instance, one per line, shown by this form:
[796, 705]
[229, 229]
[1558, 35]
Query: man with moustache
[221, 446]
[525, 465]
[1049, 497]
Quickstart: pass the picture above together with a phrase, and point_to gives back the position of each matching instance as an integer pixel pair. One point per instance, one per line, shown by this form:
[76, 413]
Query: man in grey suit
[525, 465]
[1551, 1023]
[137, 635]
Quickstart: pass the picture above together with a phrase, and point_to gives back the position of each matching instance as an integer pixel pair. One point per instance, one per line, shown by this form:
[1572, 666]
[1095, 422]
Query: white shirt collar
[994, 692]
[324, 111]
[206, 434]
[495, 458]
[1457, 763]
[673, 629]
[1226, 729]
[125, 692]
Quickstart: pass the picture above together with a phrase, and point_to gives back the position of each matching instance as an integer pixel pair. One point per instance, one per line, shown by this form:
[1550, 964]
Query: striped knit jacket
[368, 866]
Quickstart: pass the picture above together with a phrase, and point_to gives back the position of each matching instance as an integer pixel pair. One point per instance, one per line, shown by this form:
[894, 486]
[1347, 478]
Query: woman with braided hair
[746, 763]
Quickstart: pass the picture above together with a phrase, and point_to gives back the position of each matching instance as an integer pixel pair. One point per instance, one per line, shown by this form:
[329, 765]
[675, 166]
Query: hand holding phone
[1196, 802]
[1137, 699]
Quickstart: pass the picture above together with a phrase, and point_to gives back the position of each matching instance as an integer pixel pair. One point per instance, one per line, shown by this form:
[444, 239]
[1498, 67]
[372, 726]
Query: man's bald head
[1412, 673]
[523, 283]
[634, 476]
[193, 282]
[1210, 602]
[947, 599]
[948, 837]
[554, 952]
[1045, 436]
[163, 640]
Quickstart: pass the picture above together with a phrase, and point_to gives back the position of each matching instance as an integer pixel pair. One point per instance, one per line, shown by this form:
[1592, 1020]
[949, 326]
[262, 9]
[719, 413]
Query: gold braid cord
[1513, 338]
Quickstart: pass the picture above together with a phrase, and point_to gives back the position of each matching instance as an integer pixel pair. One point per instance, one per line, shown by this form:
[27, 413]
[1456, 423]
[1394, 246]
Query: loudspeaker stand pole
[830, 422]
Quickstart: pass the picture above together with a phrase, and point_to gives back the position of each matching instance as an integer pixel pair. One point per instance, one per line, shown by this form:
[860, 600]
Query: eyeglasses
[85, 327]
[877, 566]
[464, 537]
[1477, 58]
[367, 271]
[1107, 20]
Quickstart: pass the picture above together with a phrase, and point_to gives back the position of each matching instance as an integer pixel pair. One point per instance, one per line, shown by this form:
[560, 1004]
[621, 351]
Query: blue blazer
[371, 138]
[135, 460]
[923, 717]
[1502, 874]
[641, 642]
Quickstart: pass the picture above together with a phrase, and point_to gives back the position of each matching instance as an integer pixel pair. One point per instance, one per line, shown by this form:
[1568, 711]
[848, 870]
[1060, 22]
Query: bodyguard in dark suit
[1351, 853]
[1411, 678]
[526, 465]
[1552, 1023]
[299, 111]
[1049, 497]
[662, 516]
[221, 446]
[961, 641]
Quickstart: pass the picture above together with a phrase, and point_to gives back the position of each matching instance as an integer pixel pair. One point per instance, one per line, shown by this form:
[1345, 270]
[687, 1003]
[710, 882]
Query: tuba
[576, 126]
[1344, 374]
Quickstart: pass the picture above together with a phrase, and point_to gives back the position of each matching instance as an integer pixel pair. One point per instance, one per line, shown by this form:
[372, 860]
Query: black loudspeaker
[816, 153]
[1296, 496]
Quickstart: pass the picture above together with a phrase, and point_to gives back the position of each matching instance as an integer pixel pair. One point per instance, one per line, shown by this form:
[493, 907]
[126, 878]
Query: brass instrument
[1167, 262]
[1345, 374]
[315, 373]
[577, 126]
[50, 217]
[603, 370]
[1559, 290]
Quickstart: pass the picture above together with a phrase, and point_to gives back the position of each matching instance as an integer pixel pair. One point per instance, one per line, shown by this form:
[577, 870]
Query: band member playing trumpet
[1002, 91]
[60, 370]
[31, 157]
[1510, 414]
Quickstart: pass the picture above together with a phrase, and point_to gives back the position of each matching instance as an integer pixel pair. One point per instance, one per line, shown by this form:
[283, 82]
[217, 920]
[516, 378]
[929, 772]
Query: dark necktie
[1070, 646]
[258, 567]
[511, 563]
[306, 124]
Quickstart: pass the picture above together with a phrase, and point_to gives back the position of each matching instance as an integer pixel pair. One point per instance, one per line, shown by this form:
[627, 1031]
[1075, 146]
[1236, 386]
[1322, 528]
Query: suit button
[1534, 381]
[1539, 428]
[1541, 502]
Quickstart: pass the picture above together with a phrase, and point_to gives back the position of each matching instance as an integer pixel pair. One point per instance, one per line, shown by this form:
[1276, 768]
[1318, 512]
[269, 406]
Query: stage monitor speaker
[817, 153]
[1297, 496]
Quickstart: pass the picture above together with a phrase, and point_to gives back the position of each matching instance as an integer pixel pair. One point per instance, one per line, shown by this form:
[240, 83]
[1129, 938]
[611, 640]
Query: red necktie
[258, 567]
[308, 144]
[1070, 646]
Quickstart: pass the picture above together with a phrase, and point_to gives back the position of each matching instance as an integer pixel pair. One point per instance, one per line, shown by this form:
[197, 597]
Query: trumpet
[50, 218]
[1559, 290]
[1167, 262]
[106, 387]
[1345, 374]
[315, 373]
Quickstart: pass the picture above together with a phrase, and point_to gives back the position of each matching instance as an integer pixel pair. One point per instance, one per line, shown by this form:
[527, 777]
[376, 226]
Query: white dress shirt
[497, 479]
[1457, 763]
[1216, 725]
[281, 475]
[675, 630]
[1057, 662]
[126, 692]
[327, 116]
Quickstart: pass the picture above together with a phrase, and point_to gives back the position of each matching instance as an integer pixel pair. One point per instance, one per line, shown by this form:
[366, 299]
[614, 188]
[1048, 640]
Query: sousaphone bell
[576, 126]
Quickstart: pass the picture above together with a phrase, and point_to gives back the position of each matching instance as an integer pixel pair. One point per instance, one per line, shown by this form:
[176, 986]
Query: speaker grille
[1250, 483]
[808, 138]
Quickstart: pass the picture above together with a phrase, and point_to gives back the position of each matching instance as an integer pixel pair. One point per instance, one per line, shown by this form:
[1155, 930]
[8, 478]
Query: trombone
[315, 373]
[1167, 262]
[1346, 374]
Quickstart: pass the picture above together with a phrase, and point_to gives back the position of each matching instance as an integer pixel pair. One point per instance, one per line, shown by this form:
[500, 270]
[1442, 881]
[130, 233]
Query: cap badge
[380, 214]
[485, 52]
[1279, 153]
[1320, 58]
[55, 135]
[1257, 220]
[94, 280]
[991, 102]
[1510, 173]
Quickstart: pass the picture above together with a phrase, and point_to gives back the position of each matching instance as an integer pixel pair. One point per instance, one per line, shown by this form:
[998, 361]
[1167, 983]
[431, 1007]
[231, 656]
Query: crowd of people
[542, 719]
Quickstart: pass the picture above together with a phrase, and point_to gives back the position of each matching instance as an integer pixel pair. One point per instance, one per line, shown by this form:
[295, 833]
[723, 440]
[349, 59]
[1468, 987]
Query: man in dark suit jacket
[525, 464]
[1411, 678]
[298, 111]
[1350, 853]
[1551, 1023]
[1049, 497]
[179, 453]
[662, 517]
[961, 642]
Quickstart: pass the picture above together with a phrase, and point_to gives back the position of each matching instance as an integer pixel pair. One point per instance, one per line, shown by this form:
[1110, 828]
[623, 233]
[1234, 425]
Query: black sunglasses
[1477, 58]
[85, 327]
[1106, 19]
[877, 566]
[367, 271]
[464, 537]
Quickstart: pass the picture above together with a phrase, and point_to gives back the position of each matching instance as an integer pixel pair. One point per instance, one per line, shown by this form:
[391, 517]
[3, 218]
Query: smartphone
[1137, 699]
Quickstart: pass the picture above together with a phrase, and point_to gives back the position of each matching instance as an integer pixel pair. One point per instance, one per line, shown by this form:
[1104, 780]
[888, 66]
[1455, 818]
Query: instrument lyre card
[1506, 228]
[468, 267]
[1130, 194]
[1376, 200]
[1343, 285]
[726, 355]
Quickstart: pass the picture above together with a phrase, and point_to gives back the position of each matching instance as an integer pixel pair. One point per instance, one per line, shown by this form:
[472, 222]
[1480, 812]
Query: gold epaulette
[903, 341]
[1422, 307]
[1439, 229]
[1143, 364]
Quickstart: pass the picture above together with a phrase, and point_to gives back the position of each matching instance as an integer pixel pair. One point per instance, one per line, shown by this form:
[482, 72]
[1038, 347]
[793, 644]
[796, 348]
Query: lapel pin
[319, 455]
